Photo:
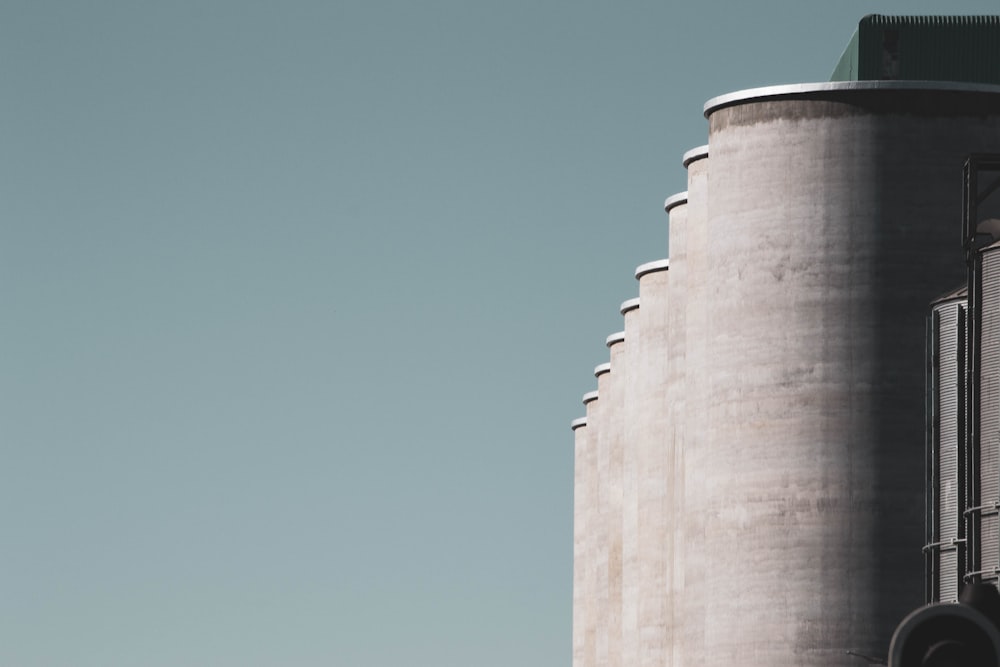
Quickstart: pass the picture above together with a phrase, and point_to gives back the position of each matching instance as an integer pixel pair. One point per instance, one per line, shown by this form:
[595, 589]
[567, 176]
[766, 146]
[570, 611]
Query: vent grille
[989, 412]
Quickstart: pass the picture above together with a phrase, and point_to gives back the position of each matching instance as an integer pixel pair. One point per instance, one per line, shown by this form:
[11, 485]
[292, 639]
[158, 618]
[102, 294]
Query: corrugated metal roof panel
[952, 295]
[923, 48]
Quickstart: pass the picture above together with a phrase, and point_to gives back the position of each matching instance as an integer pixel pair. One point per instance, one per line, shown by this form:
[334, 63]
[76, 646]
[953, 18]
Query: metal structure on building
[945, 512]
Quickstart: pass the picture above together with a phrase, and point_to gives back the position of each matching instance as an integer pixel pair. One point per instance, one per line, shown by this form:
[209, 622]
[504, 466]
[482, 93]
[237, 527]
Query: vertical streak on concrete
[676, 402]
[654, 467]
[615, 386]
[602, 549]
[631, 575]
[581, 503]
[697, 162]
[592, 544]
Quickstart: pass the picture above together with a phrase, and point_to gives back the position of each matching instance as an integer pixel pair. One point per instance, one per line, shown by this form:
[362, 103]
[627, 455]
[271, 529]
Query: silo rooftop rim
[629, 305]
[804, 89]
[694, 154]
[651, 267]
[675, 200]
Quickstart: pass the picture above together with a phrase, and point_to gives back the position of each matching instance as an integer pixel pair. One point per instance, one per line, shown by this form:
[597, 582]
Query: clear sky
[298, 299]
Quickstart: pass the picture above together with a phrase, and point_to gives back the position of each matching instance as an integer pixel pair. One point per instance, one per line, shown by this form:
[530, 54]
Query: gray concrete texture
[690, 604]
[602, 532]
[631, 575]
[653, 454]
[758, 486]
[590, 517]
[611, 450]
[581, 451]
[675, 408]
[833, 217]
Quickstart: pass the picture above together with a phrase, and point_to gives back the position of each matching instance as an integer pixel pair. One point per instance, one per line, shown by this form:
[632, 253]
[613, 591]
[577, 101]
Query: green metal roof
[923, 48]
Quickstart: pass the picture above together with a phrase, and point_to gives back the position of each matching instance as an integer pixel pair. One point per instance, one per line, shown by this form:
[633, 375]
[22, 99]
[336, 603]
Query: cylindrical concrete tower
[608, 613]
[945, 548]
[612, 386]
[593, 540]
[697, 278]
[653, 449]
[581, 506]
[676, 207]
[832, 221]
[631, 580]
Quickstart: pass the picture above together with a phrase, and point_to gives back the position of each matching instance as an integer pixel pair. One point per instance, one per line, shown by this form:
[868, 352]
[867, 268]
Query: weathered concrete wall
[676, 402]
[694, 386]
[581, 506]
[592, 542]
[631, 579]
[602, 557]
[833, 222]
[615, 385]
[654, 468]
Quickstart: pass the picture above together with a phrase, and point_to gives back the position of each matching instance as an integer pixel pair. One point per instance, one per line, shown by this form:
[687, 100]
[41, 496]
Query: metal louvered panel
[946, 493]
[948, 563]
[990, 540]
[947, 446]
[989, 411]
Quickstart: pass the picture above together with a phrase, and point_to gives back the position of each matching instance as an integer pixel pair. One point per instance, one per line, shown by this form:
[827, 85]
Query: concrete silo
[653, 453]
[691, 603]
[605, 437]
[592, 544]
[830, 220]
[676, 207]
[945, 549]
[610, 450]
[581, 506]
[631, 579]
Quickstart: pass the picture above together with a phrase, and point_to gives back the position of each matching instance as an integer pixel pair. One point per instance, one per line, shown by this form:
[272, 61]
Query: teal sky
[298, 299]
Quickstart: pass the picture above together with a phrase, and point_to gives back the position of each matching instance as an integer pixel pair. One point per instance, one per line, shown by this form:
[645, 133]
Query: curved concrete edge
[675, 200]
[601, 369]
[578, 423]
[590, 397]
[615, 338]
[797, 89]
[650, 267]
[629, 305]
[698, 153]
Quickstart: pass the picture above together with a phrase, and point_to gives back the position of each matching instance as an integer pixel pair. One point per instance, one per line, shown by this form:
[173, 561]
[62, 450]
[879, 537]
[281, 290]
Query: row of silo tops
[618, 617]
